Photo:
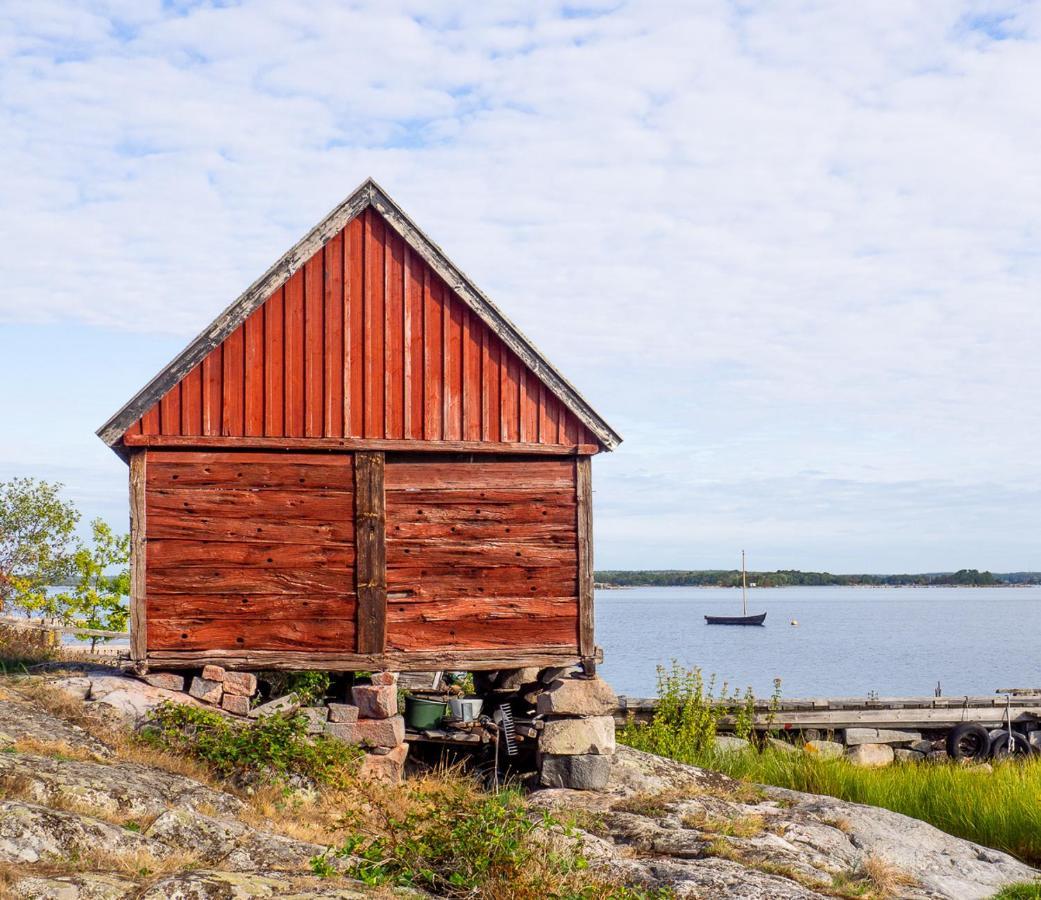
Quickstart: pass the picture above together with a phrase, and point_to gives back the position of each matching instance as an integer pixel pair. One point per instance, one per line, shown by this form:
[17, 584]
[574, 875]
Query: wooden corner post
[138, 567]
[370, 526]
[584, 500]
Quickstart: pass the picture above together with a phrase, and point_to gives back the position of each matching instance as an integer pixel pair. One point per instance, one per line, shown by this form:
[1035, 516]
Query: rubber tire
[1020, 746]
[968, 741]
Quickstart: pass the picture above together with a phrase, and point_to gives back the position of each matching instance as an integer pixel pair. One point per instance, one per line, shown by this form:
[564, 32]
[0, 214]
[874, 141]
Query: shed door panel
[250, 551]
[481, 555]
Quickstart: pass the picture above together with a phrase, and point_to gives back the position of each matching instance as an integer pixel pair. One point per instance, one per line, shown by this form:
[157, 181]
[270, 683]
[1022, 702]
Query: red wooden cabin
[360, 464]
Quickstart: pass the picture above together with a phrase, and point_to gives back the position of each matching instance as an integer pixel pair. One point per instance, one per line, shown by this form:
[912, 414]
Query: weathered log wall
[481, 554]
[249, 551]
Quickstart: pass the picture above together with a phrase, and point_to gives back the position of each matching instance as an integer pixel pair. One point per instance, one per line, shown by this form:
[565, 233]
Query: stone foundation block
[856, 736]
[514, 680]
[578, 737]
[375, 701]
[244, 684]
[168, 681]
[233, 703]
[343, 712]
[578, 697]
[384, 678]
[344, 731]
[213, 673]
[902, 754]
[727, 743]
[588, 772]
[871, 756]
[382, 732]
[388, 767]
[825, 749]
[316, 716]
[206, 690]
[290, 703]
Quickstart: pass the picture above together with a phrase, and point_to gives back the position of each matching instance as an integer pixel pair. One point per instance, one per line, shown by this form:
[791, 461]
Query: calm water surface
[850, 641]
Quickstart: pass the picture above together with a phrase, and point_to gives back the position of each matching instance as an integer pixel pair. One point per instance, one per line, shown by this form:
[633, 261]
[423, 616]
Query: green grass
[998, 808]
[1029, 890]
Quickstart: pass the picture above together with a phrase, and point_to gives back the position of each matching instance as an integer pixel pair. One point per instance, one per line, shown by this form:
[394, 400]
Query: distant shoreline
[609, 579]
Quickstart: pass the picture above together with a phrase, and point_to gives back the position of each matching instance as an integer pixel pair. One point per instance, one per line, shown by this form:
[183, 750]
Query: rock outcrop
[661, 823]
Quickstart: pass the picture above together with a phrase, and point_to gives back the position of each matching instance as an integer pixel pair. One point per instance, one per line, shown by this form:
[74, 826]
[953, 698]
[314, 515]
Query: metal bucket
[466, 709]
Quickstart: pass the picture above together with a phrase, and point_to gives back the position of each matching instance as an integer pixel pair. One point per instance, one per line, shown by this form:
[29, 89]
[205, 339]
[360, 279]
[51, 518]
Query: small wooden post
[138, 563]
[584, 500]
[370, 541]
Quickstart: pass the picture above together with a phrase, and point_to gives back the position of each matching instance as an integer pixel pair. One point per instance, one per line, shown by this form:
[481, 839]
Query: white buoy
[794, 622]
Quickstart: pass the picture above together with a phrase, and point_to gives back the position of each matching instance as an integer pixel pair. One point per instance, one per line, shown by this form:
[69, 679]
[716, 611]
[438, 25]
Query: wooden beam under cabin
[397, 661]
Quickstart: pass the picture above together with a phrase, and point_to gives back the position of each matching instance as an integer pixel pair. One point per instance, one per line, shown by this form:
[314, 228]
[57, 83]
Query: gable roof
[369, 193]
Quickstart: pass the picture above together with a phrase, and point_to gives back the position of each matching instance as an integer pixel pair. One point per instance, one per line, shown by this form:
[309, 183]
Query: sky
[790, 250]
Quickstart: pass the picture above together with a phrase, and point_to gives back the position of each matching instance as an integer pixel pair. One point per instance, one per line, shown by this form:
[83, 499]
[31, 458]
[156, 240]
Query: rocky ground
[81, 820]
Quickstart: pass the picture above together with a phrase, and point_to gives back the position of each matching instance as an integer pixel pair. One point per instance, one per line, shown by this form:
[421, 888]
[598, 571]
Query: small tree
[36, 535]
[97, 599]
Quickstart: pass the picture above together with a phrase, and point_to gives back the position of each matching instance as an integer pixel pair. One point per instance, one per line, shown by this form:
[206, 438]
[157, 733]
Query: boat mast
[744, 588]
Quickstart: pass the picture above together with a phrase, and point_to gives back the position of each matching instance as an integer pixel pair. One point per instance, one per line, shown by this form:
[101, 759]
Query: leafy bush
[273, 746]
[309, 687]
[445, 836]
[688, 715]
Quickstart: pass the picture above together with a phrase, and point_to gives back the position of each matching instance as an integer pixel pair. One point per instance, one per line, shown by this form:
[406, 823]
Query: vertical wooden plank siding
[334, 370]
[584, 520]
[370, 531]
[365, 340]
[254, 374]
[138, 562]
[274, 365]
[314, 331]
[354, 325]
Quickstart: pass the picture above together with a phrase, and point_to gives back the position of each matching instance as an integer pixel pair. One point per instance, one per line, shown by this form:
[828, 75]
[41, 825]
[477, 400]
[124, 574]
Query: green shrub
[446, 836]
[688, 715]
[273, 746]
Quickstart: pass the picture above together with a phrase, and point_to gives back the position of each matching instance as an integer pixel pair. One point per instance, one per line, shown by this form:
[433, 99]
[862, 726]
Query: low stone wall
[370, 721]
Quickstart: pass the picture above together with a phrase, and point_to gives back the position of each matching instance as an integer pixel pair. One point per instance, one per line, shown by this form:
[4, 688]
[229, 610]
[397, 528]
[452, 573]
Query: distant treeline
[793, 577]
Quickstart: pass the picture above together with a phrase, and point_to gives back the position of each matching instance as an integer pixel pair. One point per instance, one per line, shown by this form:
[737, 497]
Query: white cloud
[761, 238]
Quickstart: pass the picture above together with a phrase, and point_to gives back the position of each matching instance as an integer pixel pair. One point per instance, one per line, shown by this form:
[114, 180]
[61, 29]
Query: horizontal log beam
[333, 444]
[419, 661]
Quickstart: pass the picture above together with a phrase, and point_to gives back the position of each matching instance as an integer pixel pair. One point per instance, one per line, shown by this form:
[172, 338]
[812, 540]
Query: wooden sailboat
[744, 618]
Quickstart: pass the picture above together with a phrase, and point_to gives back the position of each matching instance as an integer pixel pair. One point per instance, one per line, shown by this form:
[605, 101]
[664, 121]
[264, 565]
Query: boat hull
[736, 620]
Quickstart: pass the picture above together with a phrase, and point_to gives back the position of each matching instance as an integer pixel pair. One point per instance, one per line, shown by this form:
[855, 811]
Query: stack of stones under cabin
[362, 465]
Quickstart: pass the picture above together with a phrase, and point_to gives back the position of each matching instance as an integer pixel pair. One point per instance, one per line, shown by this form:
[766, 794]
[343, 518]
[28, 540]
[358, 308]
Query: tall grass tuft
[999, 808]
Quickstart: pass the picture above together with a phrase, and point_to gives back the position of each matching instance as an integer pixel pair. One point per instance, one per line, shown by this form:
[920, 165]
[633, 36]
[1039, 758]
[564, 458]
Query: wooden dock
[834, 713]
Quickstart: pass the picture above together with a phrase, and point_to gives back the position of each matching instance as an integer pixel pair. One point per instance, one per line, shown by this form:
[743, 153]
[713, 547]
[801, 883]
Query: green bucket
[421, 713]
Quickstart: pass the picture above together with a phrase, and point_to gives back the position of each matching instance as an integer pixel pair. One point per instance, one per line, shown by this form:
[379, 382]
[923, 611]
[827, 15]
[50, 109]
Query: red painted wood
[414, 373]
[314, 341]
[365, 341]
[293, 337]
[274, 365]
[433, 357]
[394, 329]
[335, 372]
[254, 374]
[191, 402]
[354, 326]
[374, 325]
